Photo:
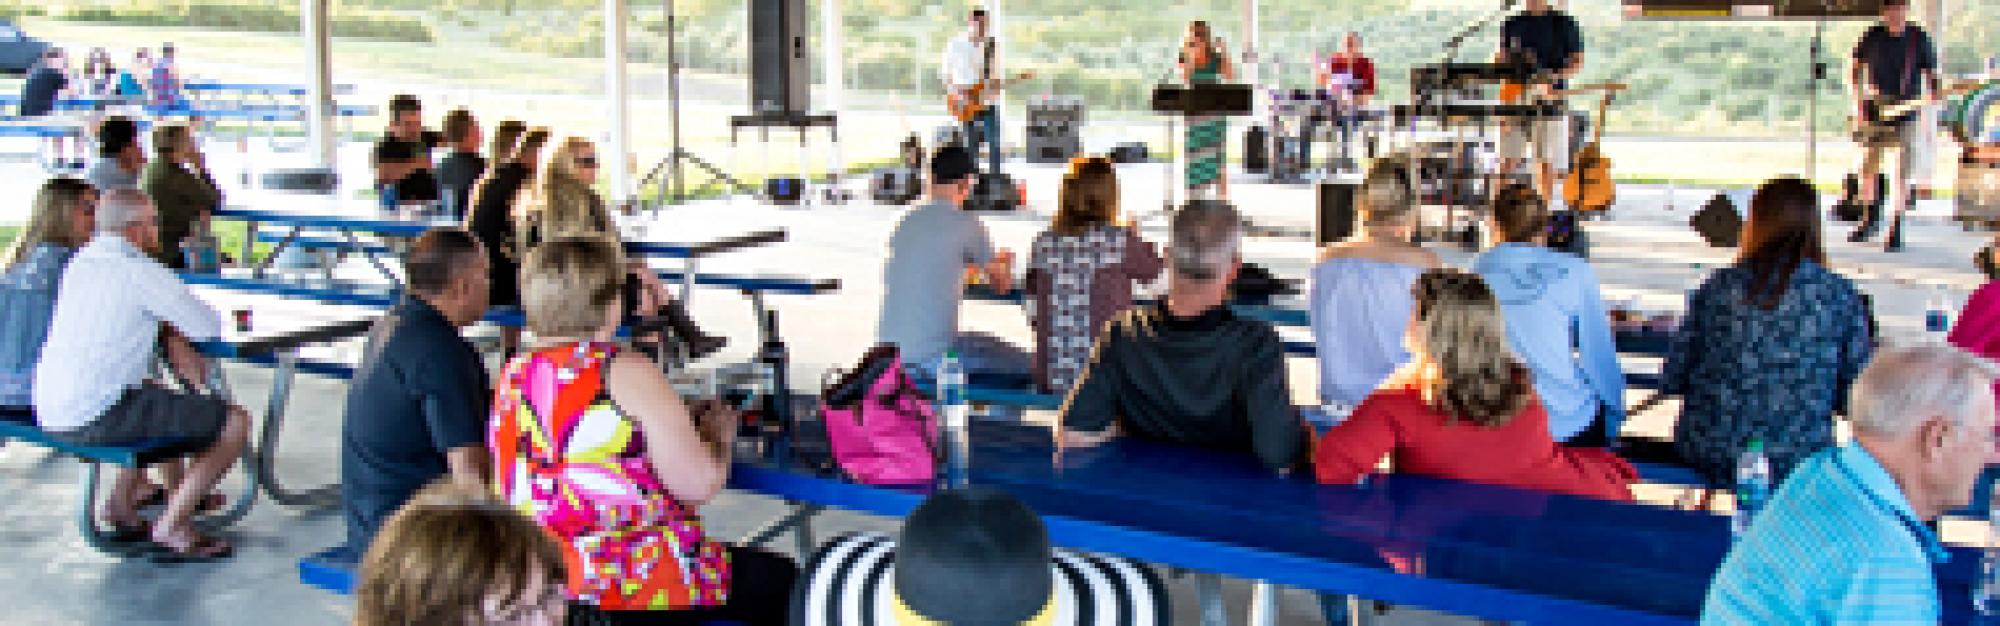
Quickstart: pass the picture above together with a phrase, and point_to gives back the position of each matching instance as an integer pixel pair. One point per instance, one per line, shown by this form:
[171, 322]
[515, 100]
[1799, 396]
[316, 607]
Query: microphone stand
[1452, 45]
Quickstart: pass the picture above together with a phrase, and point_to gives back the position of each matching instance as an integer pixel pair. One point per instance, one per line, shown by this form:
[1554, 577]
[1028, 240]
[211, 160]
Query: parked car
[18, 51]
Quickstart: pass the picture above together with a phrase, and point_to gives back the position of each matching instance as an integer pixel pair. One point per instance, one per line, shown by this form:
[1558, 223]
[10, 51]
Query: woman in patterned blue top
[1769, 345]
[30, 271]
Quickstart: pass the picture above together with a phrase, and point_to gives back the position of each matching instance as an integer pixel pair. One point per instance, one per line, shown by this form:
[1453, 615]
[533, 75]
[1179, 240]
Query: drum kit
[1972, 118]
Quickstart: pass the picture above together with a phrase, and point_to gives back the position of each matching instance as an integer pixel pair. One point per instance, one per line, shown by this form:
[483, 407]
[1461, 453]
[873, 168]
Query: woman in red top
[1464, 408]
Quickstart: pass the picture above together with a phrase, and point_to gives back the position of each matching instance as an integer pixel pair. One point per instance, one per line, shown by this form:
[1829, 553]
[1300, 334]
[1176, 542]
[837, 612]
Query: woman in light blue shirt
[1556, 322]
[1361, 298]
[30, 271]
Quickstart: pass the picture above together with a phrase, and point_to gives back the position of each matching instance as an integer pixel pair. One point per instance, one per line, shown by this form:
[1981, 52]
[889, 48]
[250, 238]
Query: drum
[1972, 118]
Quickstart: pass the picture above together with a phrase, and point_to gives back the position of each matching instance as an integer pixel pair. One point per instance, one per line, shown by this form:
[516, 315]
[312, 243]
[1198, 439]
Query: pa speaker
[780, 71]
[1336, 212]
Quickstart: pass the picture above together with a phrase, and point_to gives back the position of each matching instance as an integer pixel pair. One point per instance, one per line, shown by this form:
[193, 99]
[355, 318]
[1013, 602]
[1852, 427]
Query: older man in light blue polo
[1847, 540]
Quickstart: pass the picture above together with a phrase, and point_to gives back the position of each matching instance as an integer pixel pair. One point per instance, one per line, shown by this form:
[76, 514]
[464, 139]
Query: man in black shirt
[1551, 42]
[417, 408]
[38, 98]
[1188, 370]
[412, 179]
[1894, 62]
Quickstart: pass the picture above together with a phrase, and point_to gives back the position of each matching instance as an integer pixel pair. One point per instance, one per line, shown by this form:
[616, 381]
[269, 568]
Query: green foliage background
[1712, 78]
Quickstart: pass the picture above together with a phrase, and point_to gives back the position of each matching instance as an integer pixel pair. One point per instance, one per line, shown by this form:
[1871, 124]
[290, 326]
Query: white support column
[317, 31]
[1252, 58]
[617, 150]
[834, 54]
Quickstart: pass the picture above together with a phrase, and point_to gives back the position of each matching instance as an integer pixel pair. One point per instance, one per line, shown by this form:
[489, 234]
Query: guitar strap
[986, 64]
[1910, 59]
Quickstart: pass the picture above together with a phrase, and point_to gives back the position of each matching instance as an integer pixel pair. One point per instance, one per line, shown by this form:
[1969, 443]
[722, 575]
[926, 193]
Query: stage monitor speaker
[994, 192]
[1256, 150]
[1130, 152]
[784, 190]
[1718, 222]
[780, 71]
[1336, 212]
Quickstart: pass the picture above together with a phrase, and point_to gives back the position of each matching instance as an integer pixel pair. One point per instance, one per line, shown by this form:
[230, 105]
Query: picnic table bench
[274, 344]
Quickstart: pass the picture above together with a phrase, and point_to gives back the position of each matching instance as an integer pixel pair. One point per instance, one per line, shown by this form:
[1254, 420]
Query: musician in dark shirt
[1894, 62]
[1551, 42]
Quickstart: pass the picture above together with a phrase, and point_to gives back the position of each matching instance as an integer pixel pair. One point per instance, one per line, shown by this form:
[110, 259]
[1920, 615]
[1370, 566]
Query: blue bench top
[20, 425]
[331, 569]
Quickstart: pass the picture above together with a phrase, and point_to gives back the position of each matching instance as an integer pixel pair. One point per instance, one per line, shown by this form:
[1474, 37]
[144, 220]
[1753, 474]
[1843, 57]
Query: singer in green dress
[1202, 60]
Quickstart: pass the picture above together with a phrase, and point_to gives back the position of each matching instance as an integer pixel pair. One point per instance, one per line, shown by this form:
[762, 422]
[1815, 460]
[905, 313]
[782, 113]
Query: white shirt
[963, 58]
[106, 324]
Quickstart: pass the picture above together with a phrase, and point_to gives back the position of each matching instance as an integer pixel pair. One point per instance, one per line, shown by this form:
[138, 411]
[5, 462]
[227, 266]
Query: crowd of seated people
[1504, 373]
[148, 80]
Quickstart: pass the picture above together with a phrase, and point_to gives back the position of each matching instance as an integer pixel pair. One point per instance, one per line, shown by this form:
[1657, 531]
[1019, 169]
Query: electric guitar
[967, 103]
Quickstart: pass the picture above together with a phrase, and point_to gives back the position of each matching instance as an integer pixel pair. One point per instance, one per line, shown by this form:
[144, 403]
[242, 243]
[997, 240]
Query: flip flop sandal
[209, 504]
[204, 549]
[128, 538]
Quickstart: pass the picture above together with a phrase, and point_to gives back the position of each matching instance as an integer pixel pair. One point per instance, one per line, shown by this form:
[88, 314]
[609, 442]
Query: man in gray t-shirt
[924, 278]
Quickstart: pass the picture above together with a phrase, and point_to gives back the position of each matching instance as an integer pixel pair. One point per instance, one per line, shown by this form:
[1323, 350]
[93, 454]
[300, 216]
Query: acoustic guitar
[1588, 185]
[966, 104]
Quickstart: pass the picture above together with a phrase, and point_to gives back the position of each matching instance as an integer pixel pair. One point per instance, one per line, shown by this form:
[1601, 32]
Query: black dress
[492, 221]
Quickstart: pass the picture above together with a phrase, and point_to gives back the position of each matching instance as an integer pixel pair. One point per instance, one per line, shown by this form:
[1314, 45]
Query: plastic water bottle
[1753, 486]
[954, 417]
[1937, 312]
[1986, 589]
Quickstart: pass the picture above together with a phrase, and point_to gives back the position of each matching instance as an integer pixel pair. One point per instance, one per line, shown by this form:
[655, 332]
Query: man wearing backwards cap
[925, 276]
[973, 557]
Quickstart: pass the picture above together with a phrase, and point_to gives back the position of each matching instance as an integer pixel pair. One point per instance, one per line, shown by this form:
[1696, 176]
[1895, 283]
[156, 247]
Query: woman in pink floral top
[595, 446]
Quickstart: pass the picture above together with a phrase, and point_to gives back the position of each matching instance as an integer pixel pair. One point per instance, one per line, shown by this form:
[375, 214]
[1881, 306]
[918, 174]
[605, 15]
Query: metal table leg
[264, 460]
[787, 522]
[1208, 591]
[1263, 604]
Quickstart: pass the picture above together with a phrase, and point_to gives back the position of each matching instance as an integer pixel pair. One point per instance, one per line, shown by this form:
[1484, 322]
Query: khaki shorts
[1543, 140]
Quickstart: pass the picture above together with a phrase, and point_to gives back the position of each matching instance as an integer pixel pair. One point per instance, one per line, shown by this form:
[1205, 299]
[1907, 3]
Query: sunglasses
[586, 161]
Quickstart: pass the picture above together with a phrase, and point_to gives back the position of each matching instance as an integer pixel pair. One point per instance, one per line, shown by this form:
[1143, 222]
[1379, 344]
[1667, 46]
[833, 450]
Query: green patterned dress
[1207, 135]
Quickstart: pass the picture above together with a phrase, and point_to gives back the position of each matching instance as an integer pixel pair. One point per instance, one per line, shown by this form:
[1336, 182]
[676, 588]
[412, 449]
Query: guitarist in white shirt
[970, 60]
[1894, 63]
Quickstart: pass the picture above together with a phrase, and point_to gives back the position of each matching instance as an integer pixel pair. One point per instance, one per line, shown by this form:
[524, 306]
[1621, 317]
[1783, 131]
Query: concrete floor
[1642, 251]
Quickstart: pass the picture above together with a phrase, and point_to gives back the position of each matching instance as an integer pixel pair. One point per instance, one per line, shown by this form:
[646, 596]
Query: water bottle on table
[954, 417]
[1937, 312]
[1753, 486]
[1986, 588]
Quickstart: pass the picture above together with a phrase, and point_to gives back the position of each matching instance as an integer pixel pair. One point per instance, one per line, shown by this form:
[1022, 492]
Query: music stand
[1200, 99]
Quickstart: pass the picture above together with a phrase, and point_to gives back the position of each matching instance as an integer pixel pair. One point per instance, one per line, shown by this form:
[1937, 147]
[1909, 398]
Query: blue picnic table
[1492, 552]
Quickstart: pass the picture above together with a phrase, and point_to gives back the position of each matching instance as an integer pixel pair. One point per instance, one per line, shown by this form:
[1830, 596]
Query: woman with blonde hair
[454, 557]
[1464, 409]
[593, 443]
[1082, 271]
[30, 272]
[1360, 298]
[570, 207]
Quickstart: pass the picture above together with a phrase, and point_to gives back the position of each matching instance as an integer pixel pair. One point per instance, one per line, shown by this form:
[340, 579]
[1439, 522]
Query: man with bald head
[118, 304]
[1847, 539]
